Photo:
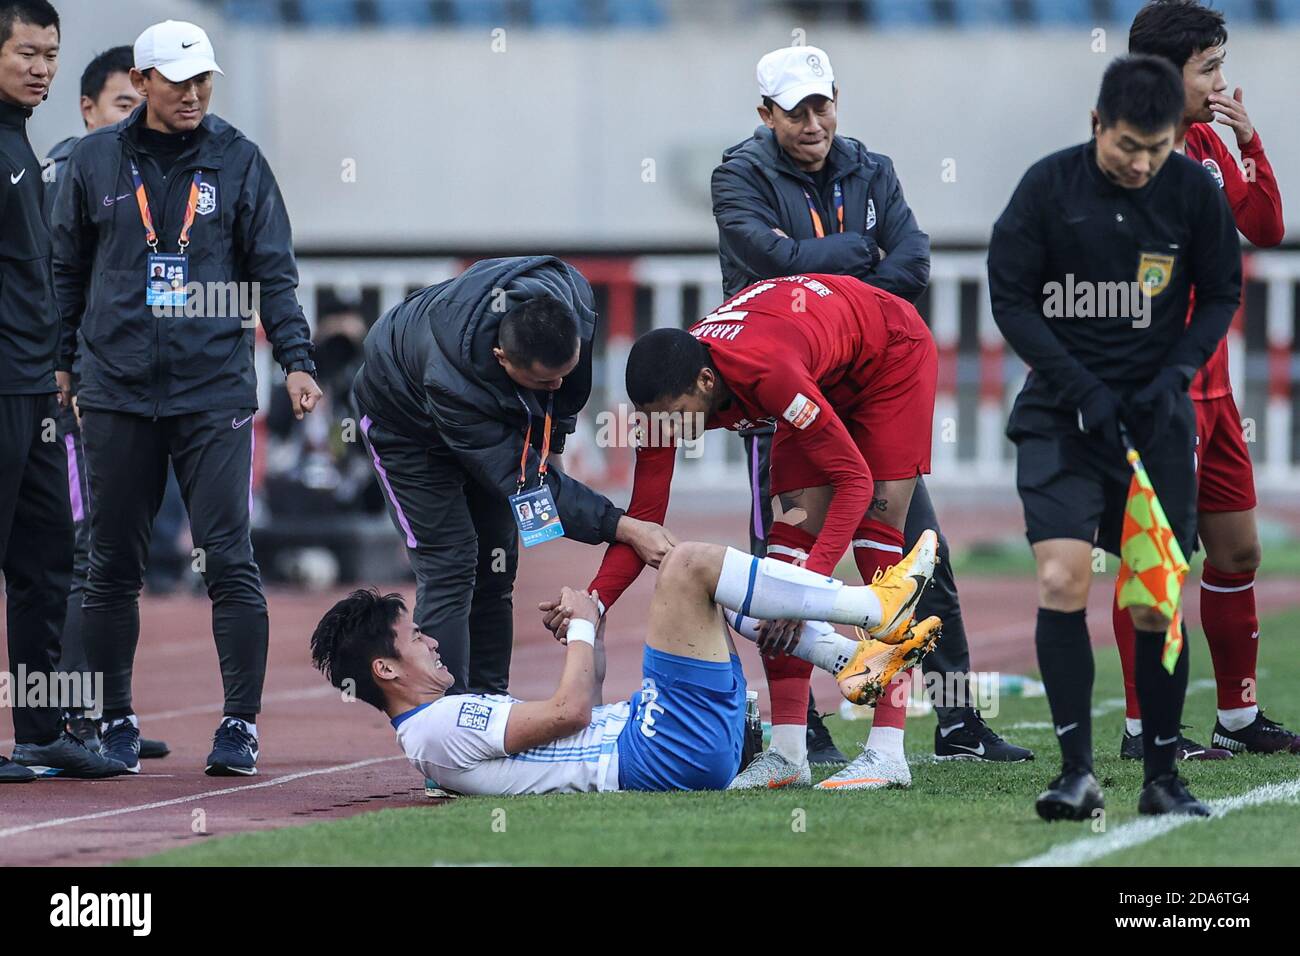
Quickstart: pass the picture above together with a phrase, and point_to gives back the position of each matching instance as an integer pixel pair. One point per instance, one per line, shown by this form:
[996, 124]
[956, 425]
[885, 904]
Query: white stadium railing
[978, 375]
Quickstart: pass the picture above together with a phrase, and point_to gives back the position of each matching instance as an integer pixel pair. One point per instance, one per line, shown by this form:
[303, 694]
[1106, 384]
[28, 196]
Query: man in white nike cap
[166, 375]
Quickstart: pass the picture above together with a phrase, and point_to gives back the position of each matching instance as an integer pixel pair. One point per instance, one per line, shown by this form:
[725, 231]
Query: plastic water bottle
[753, 740]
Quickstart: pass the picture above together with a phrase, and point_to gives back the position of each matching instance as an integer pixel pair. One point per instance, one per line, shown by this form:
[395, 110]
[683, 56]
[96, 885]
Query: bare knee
[685, 562]
[1236, 557]
[1063, 585]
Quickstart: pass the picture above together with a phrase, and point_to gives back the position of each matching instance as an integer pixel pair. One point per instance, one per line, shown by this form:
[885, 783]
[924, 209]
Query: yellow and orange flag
[1152, 566]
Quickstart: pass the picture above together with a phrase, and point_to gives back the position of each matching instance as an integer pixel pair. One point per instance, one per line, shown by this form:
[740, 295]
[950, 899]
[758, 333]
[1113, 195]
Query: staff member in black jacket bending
[35, 517]
[466, 389]
[166, 367]
[1091, 267]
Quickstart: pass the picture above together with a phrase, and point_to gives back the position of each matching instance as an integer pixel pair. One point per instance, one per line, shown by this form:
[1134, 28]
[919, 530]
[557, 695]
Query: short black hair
[1176, 30]
[39, 13]
[1145, 91]
[541, 329]
[664, 363]
[118, 59]
[351, 635]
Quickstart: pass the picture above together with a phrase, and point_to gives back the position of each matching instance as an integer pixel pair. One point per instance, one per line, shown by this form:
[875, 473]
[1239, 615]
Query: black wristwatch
[302, 365]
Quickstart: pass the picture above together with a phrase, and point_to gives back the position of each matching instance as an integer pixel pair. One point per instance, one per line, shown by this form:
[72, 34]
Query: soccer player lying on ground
[847, 372]
[682, 730]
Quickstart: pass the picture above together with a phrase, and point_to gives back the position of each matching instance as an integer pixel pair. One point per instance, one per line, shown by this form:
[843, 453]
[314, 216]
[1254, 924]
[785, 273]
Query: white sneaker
[872, 770]
[770, 770]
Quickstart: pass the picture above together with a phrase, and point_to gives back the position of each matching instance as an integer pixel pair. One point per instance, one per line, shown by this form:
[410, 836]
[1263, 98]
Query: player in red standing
[847, 372]
[1193, 37]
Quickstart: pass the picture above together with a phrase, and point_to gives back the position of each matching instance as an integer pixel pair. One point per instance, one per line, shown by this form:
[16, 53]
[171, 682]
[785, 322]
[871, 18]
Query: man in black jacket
[1091, 267]
[169, 376]
[796, 198]
[35, 518]
[107, 97]
[466, 388]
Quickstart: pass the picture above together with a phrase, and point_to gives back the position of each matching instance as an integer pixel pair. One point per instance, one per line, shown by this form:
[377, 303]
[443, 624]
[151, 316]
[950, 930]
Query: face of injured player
[1203, 75]
[1128, 156]
[417, 672]
[805, 132]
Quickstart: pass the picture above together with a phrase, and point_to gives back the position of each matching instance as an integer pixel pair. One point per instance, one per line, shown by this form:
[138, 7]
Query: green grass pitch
[955, 813]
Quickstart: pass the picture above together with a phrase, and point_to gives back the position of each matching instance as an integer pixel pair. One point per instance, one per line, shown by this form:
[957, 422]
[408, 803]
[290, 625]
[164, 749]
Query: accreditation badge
[168, 278]
[536, 515]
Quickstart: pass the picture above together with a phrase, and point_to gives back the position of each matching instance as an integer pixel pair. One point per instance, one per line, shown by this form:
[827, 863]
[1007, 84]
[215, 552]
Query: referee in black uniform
[167, 376]
[1090, 268]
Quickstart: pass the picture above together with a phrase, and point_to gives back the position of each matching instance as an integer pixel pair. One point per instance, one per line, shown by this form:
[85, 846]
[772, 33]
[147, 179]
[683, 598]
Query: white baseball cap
[176, 49]
[794, 72]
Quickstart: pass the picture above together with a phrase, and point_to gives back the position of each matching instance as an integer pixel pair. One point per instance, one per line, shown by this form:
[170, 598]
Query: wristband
[583, 632]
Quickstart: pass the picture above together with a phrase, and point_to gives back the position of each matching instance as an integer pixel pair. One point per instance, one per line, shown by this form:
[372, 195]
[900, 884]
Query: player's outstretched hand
[554, 618]
[557, 614]
[303, 392]
[778, 637]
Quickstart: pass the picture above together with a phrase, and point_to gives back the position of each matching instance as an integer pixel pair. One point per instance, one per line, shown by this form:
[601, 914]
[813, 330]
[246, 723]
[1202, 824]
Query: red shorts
[891, 421]
[1226, 478]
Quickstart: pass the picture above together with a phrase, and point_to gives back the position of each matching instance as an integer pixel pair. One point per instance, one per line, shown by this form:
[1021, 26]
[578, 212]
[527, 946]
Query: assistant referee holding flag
[164, 380]
[1090, 269]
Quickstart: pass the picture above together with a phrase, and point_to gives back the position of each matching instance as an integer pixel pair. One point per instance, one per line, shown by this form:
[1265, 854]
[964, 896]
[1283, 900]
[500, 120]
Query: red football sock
[788, 677]
[1232, 631]
[1126, 644]
[877, 546]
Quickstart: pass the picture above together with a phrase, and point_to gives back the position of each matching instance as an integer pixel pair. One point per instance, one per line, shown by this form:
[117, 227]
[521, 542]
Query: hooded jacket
[131, 360]
[757, 188]
[430, 375]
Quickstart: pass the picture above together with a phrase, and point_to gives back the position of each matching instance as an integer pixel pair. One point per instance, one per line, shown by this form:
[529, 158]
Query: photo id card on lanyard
[167, 275]
[534, 511]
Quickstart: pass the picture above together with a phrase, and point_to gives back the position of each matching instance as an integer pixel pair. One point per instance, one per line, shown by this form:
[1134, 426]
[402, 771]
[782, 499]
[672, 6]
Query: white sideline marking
[278, 697]
[1137, 832]
[119, 811]
[1107, 706]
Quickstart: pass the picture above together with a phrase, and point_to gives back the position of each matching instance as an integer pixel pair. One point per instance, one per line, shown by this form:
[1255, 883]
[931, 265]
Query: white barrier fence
[978, 375]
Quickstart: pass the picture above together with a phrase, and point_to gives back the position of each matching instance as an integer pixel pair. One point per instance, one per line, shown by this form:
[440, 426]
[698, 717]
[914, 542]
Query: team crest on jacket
[1209, 163]
[871, 213]
[1154, 272]
[207, 199]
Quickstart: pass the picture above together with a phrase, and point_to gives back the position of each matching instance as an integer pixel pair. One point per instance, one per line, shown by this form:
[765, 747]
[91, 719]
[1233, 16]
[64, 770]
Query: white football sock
[1238, 718]
[791, 742]
[251, 728]
[772, 590]
[1133, 725]
[819, 643]
[887, 741]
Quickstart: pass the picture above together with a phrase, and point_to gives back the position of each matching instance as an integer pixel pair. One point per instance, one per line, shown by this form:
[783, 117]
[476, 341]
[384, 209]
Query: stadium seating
[404, 13]
[903, 13]
[1061, 12]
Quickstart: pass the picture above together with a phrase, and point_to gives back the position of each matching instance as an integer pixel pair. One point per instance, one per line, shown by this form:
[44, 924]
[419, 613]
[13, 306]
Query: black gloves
[1149, 412]
[1099, 414]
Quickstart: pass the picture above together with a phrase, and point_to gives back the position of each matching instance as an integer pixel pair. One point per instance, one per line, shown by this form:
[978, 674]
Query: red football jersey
[1256, 206]
[790, 350]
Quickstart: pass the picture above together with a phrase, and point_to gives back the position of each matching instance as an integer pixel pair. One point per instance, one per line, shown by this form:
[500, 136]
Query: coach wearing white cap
[796, 197]
[166, 373]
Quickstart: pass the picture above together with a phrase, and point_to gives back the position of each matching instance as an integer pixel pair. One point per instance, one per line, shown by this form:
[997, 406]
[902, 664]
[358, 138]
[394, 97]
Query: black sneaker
[972, 739]
[1130, 748]
[821, 748]
[66, 756]
[153, 749]
[1168, 794]
[120, 739]
[1260, 736]
[1074, 795]
[234, 750]
[11, 772]
[86, 729]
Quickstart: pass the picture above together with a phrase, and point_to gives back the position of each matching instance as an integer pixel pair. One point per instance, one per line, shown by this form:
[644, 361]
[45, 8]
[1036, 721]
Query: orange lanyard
[818, 230]
[528, 437]
[146, 217]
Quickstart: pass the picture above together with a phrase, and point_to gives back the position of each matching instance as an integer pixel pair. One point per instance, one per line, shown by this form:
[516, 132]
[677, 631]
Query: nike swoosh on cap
[186, 46]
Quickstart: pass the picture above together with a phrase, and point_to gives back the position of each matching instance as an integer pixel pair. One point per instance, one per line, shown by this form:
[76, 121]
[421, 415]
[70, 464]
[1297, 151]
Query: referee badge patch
[801, 412]
[1154, 272]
